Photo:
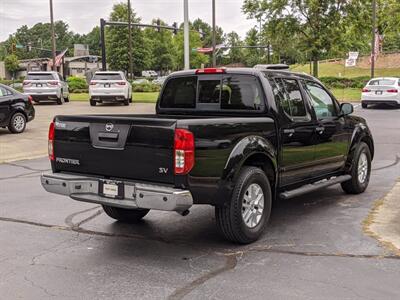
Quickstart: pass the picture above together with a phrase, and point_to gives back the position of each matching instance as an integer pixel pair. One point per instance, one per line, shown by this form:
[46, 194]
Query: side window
[241, 92]
[288, 96]
[323, 104]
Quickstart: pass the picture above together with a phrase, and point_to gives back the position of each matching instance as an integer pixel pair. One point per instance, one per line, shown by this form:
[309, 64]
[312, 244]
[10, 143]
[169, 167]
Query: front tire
[17, 123]
[360, 171]
[125, 215]
[245, 217]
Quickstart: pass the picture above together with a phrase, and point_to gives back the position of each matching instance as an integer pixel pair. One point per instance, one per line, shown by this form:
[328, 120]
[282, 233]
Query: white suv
[108, 86]
[381, 90]
[46, 86]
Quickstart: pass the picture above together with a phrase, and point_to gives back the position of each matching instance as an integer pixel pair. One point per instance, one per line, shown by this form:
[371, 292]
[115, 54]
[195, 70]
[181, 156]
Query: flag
[59, 58]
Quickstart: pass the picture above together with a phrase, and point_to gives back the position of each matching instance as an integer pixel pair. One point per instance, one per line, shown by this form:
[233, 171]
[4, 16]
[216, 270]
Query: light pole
[214, 57]
[53, 36]
[186, 34]
[130, 40]
[373, 50]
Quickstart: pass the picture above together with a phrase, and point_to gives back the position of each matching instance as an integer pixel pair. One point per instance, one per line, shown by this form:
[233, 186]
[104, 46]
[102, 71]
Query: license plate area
[378, 92]
[111, 189]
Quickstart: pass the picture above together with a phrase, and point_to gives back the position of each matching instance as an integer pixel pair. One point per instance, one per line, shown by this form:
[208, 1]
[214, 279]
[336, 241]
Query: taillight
[30, 99]
[93, 83]
[51, 141]
[211, 71]
[392, 91]
[52, 82]
[183, 151]
[121, 83]
[364, 90]
[25, 82]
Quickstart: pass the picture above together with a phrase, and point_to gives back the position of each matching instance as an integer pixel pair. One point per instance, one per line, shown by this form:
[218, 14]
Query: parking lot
[314, 245]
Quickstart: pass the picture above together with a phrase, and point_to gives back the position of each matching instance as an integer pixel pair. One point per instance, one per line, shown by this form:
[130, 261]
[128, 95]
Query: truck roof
[251, 71]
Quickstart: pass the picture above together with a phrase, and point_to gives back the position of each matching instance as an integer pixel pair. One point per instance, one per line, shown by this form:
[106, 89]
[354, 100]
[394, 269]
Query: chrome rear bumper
[136, 195]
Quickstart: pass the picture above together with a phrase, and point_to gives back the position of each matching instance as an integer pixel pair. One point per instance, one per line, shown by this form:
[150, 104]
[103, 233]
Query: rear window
[40, 76]
[382, 82]
[107, 76]
[214, 92]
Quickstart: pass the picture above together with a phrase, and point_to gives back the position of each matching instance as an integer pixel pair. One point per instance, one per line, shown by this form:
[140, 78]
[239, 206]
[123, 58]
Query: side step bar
[314, 186]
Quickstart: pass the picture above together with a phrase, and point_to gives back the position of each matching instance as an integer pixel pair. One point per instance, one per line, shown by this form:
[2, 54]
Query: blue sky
[82, 15]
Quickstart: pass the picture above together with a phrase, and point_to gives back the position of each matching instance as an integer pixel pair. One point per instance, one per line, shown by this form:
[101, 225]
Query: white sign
[352, 60]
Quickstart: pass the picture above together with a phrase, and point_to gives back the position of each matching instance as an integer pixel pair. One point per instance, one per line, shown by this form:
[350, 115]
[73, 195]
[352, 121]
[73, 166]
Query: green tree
[318, 23]
[252, 55]
[11, 63]
[196, 59]
[235, 55]
[117, 42]
[161, 48]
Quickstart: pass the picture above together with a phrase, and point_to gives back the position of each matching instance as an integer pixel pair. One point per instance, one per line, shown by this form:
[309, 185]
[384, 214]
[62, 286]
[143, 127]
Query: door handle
[289, 132]
[320, 129]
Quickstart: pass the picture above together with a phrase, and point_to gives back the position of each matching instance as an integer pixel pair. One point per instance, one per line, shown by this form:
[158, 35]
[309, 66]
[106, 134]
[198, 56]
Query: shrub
[76, 83]
[80, 91]
[146, 87]
[343, 82]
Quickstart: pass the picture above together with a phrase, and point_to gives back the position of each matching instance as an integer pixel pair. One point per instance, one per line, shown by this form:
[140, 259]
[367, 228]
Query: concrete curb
[383, 222]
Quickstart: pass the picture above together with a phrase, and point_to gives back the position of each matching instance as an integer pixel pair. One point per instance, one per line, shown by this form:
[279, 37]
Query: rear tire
[60, 100]
[92, 102]
[125, 215]
[364, 105]
[244, 218]
[360, 171]
[17, 123]
[126, 102]
[66, 99]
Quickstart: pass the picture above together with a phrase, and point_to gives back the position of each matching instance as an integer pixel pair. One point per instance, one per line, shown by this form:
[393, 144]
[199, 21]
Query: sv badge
[163, 170]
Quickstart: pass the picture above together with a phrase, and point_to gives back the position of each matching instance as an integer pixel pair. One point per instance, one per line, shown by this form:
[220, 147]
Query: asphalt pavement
[314, 247]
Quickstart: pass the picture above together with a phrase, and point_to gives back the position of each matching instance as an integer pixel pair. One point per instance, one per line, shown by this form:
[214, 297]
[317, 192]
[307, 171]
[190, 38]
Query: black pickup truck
[236, 139]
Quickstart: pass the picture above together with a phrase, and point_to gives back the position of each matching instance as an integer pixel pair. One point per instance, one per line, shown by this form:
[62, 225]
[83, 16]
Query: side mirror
[346, 109]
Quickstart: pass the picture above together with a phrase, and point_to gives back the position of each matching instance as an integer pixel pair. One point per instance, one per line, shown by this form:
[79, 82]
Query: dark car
[16, 109]
[236, 139]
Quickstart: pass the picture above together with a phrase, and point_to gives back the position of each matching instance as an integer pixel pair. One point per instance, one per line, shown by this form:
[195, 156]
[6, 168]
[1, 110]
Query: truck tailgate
[137, 147]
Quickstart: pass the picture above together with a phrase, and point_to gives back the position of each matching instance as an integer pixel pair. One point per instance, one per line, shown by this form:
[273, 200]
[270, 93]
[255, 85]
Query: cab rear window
[40, 76]
[382, 82]
[214, 92]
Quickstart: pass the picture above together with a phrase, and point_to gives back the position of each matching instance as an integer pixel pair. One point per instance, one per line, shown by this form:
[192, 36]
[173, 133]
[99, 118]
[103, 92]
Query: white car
[381, 90]
[149, 73]
[109, 86]
[46, 86]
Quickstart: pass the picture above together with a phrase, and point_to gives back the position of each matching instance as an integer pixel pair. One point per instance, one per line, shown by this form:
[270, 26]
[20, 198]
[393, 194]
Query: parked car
[385, 90]
[149, 73]
[236, 139]
[110, 86]
[160, 80]
[16, 109]
[140, 81]
[46, 86]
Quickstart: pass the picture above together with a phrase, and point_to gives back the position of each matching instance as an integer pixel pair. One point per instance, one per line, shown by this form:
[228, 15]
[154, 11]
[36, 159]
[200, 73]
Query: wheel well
[368, 141]
[263, 162]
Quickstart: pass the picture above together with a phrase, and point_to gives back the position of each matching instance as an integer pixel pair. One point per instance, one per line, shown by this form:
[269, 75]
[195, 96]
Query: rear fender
[247, 147]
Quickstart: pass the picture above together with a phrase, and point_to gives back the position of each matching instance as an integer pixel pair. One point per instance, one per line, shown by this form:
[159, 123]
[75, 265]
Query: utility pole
[214, 56]
[103, 45]
[53, 36]
[130, 40]
[186, 33]
[373, 50]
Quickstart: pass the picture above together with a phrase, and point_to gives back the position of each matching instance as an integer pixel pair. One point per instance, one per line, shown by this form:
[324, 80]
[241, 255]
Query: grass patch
[338, 70]
[137, 97]
[349, 94]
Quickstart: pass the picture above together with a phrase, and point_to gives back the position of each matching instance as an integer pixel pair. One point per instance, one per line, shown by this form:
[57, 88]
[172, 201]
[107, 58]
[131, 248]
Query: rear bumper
[107, 97]
[44, 94]
[136, 195]
[383, 101]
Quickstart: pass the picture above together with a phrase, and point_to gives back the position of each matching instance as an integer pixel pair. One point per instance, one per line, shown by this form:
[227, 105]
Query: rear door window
[107, 76]
[289, 98]
[40, 76]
